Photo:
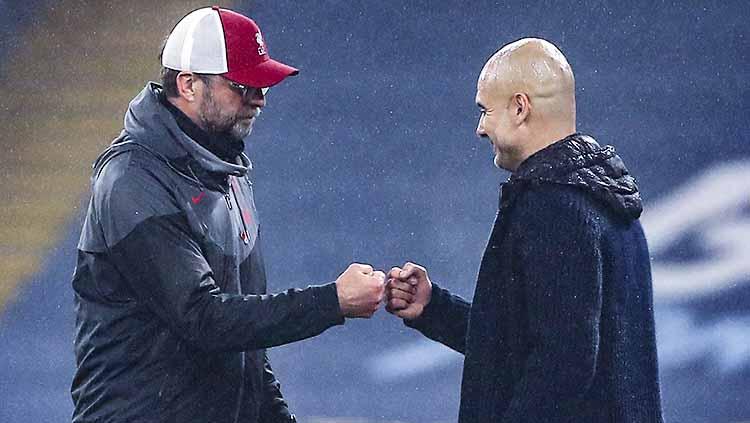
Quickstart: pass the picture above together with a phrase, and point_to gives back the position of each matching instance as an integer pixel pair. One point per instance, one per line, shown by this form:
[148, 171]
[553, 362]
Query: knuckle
[361, 267]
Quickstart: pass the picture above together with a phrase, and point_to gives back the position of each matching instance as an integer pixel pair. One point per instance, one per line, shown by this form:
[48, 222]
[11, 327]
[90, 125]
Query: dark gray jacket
[561, 328]
[172, 315]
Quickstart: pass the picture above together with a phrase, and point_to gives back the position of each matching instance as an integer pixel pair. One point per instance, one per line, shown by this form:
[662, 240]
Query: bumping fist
[360, 290]
[408, 291]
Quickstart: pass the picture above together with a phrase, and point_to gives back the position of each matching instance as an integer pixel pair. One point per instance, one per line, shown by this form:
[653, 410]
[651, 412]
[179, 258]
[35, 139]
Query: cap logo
[261, 44]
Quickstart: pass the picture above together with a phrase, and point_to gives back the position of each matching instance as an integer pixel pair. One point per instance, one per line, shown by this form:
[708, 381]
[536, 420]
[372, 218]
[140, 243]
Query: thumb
[380, 276]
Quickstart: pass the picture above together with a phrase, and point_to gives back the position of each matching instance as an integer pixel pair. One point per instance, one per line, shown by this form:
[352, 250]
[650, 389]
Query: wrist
[432, 298]
[340, 300]
[326, 301]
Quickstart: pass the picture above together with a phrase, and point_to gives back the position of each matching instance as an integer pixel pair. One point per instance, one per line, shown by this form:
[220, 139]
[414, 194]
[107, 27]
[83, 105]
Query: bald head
[532, 81]
[537, 68]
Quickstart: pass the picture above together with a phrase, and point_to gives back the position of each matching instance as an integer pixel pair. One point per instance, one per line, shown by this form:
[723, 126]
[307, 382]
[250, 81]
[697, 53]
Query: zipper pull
[228, 199]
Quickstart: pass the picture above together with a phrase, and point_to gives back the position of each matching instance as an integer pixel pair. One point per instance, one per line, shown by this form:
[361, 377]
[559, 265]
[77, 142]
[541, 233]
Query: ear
[186, 85]
[521, 107]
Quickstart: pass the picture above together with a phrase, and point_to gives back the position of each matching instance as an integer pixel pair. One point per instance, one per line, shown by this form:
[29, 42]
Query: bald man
[561, 327]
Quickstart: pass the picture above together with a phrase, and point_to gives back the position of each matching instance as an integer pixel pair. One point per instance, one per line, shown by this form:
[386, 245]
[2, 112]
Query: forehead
[487, 88]
[479, 97]
[482, 82]
[488, 73]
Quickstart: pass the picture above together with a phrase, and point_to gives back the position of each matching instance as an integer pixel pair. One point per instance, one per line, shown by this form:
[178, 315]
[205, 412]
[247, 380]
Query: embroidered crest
[261, 43]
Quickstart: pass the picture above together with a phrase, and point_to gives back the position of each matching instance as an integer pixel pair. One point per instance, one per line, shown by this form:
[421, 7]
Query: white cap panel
[197, 44]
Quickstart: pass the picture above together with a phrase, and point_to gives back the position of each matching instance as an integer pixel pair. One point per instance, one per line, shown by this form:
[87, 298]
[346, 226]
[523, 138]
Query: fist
[408, 291]
[360, 290]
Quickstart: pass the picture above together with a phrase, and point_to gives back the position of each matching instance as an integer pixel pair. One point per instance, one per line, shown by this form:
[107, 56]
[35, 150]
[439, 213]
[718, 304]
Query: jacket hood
[149, 124]
[579, 161]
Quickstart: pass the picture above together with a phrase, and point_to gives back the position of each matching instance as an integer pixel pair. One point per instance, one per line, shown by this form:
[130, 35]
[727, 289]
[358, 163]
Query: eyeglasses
[244, 90]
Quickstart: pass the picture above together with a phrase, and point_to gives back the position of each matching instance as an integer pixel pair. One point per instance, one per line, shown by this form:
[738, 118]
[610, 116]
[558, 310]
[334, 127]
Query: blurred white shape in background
[715, 207]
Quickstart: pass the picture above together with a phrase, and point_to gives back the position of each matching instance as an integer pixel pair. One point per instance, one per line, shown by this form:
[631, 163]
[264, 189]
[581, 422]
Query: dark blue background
[370, 155]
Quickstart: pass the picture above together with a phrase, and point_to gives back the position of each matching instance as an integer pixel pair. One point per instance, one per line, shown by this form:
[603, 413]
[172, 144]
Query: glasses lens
[244, 90]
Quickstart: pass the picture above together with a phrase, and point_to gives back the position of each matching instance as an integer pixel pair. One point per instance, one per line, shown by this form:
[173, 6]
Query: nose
[257, 98]
[480, 127]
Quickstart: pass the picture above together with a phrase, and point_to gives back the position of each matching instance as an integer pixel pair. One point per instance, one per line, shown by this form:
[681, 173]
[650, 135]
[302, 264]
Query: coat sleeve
[561, 264]
[149, 242]
[445, 319]
[274, 408]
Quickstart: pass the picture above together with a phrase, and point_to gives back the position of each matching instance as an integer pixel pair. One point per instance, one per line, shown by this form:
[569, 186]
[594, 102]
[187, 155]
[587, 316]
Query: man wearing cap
[561, 327]
[172, 315]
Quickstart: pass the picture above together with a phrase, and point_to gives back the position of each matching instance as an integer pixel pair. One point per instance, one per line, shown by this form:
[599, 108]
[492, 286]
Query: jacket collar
[224, 147]
[149, 123]
[578, 160]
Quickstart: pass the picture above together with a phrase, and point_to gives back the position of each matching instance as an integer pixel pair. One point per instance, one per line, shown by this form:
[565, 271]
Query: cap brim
[266, 74]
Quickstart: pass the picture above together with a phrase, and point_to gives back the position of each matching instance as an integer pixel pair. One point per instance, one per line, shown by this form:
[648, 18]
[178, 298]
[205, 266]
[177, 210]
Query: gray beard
[215, 123]
[240, 130]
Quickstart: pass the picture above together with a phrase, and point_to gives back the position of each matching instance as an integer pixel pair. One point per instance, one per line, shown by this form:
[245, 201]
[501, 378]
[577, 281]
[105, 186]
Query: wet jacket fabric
[561, 327]
[172, 314]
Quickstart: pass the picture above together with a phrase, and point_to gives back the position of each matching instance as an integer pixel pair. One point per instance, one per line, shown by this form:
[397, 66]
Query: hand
[408, 291]
[360, 290]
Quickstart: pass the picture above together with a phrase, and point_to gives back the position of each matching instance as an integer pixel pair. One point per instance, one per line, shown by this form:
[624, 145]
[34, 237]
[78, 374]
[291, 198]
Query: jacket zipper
[244, 237]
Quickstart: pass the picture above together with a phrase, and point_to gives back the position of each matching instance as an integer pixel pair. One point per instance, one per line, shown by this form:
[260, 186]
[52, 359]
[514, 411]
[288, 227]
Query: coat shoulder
[547, 200]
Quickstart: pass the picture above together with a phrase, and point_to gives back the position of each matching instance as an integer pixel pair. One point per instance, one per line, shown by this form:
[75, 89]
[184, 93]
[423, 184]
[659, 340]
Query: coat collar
[578, 160]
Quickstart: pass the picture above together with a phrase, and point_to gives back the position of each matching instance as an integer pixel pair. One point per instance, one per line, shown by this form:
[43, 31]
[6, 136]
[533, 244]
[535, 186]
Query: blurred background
[369, 155]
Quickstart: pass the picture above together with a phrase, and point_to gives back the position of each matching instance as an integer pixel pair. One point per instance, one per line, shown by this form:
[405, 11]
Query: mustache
[253, 114]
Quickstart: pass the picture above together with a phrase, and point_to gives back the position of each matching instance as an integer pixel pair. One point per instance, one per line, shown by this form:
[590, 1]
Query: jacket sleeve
[562, 273]
[149, 241]
[274, 408]
[445, 319]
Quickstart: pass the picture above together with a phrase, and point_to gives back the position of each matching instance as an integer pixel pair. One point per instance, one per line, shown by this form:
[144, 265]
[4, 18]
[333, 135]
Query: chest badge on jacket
[196, 199]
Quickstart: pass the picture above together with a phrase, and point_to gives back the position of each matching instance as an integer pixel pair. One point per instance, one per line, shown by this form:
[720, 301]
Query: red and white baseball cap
[218, 41]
